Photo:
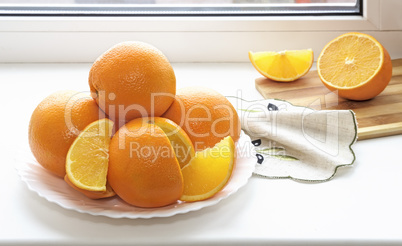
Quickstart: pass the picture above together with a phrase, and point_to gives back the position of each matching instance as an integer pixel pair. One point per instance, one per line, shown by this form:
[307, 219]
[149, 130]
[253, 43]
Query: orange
[205, 115]
[143, 168]
[131, 80]
[283, 66]
[92, 194]
[209, 171]
[355, 65]
[54, 125]
[88, 157]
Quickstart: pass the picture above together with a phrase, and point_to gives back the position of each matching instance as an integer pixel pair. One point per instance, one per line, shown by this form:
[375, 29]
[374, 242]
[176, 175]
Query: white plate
[55, 190]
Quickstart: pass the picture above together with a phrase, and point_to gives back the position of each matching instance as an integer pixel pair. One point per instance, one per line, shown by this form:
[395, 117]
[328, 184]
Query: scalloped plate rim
[25, 160]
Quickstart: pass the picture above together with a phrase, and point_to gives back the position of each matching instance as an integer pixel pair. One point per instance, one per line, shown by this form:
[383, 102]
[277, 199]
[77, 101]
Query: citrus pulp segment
[88, 157]
[209, 171]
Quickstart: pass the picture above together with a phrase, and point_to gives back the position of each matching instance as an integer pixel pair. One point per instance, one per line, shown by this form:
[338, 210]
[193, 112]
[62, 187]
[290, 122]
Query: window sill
[264, 212]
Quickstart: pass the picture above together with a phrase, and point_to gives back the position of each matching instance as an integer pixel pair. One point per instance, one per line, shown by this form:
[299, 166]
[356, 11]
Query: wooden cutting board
[378, 117]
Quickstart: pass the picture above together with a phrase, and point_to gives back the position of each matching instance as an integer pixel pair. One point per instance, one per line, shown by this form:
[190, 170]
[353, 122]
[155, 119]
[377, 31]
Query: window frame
[183, 10]
[190, 39]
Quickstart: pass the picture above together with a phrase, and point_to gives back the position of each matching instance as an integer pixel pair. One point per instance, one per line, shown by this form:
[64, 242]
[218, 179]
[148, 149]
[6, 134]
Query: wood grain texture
[378, 117]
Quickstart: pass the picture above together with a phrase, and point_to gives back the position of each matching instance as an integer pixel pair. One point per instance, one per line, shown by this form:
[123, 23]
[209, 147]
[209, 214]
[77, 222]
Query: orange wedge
[209, 171]
[88, 157]
[283, 66]
[355, 65]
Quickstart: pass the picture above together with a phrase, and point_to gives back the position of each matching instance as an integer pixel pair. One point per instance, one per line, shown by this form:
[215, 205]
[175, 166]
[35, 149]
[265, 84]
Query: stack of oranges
[135, 136]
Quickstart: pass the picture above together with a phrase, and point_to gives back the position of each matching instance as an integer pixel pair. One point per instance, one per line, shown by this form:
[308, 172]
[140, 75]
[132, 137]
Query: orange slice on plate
[88, 157]
[208, 171]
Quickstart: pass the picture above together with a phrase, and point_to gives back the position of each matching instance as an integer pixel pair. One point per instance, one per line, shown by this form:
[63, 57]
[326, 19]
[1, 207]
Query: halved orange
[88, 157]
[209, 171]
[355, 65]
[283, 66]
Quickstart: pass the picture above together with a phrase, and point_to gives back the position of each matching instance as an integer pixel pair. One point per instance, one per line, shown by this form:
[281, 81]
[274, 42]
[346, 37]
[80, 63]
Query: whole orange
[205, 115]
[54, 125]
[131, 80]
[143, 168]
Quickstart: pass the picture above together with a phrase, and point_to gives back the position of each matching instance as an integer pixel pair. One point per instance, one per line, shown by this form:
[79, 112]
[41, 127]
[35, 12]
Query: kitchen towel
[297, 142]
